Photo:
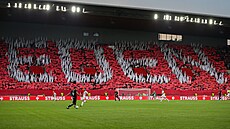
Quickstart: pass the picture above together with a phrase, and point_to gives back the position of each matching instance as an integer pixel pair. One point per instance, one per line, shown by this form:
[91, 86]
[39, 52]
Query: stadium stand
[224, 55]
[41, 64]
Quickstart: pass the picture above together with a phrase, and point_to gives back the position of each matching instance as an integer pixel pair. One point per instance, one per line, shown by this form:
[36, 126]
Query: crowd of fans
[21, 42]
[14, 61]
[143, 62]
[168, 56]
[64, 47]
[127, 65]
[224, 53]
[132, 45]
[206, 65]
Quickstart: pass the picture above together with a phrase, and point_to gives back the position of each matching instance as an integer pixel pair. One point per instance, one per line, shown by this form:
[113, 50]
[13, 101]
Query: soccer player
[74, 95]
[220, 94]
[116, 96]
[228, 95]
[163, 96]
[154, 94]
[54, 95]
[84, 97]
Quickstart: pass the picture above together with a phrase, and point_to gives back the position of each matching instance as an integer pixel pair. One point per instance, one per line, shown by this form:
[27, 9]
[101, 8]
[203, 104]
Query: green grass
[119, 115]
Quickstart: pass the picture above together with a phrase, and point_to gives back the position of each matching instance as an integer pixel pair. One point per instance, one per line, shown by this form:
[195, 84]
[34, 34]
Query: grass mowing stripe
[115, 115]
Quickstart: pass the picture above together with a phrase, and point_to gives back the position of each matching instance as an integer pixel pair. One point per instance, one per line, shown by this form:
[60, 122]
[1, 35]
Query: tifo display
[42, 64]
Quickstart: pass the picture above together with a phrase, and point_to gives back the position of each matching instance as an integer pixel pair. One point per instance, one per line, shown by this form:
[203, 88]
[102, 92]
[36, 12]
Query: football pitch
[115, 115]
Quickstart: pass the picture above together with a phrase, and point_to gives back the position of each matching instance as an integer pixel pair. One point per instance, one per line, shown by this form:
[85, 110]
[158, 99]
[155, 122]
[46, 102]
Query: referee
[74, 95]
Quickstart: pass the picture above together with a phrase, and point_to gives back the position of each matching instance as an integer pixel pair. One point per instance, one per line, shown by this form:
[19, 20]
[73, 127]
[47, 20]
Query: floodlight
[63, 9]
[167, 17]
[57, 8]
[25, 6]
[29, 6]
[181, 18]
[176, 18]
[8, 5]
[155, 16]
[35, 6]
[210, 21]
[204, 21]
[221, 23]
[15, 5]
[20, 5]
[40, 7]
[83, 10]
[78, 9]
[197, 20]
[73, 9]
[47, 7]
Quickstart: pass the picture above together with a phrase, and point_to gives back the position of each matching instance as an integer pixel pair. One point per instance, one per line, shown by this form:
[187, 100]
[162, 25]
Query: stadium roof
[115, 17]
[213, 8]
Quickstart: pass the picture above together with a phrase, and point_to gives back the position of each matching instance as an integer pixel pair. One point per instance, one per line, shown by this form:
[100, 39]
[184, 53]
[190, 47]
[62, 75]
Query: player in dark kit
[220, 94]
[74, 95]
[116, 96]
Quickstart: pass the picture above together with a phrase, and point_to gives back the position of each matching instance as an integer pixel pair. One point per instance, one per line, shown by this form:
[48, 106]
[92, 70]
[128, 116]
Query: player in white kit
[228, 95]
[163, 96]
[54, 96]
[84, 97]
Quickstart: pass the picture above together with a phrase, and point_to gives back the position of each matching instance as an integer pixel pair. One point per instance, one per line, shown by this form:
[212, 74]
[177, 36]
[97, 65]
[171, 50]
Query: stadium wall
[106, 36]
[207, 41]
[60, 31]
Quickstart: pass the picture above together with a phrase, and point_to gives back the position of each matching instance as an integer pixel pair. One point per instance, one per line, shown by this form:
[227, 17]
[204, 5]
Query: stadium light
[197, 20]
[215, 22]
[84, 11]
[57, 8]
[8, 5]
[181, 18]
[47, 7]
[204, 21]
[15, 5]
[210, 21]
[176, 18]
[35, 6]
[39, 7]
[78, 9]
[29, 6]
[73, 9]
[155, 16]
[63, 9]
[167, 17]
[20, 5]
[221, 23]
[26, 6]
